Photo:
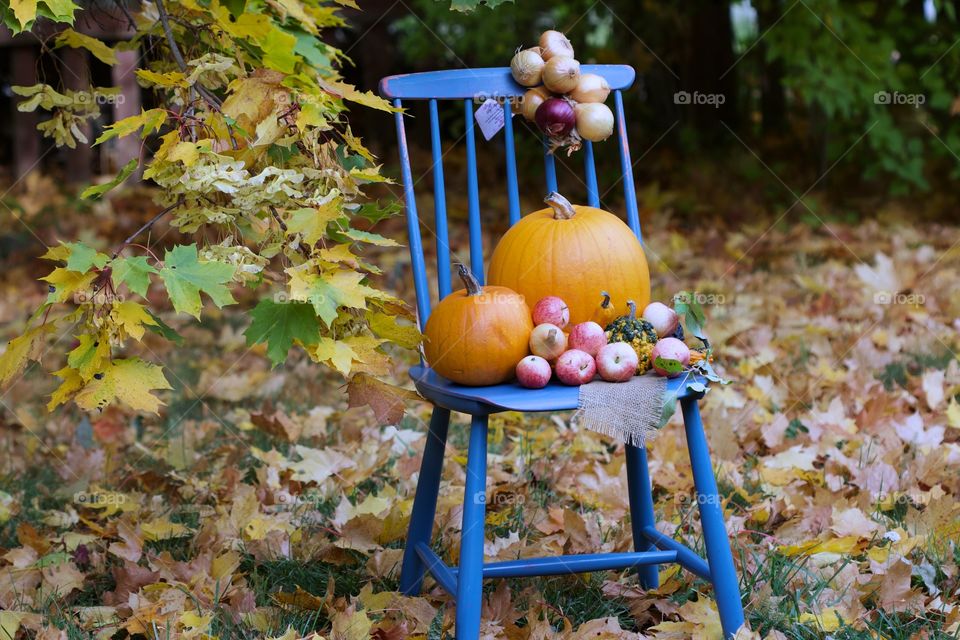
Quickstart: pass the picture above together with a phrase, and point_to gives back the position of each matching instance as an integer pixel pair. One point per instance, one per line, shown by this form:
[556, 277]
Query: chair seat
[510, 396]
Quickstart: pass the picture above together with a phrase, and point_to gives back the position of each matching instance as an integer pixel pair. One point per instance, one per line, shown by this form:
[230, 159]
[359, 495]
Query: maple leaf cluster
[254, 157]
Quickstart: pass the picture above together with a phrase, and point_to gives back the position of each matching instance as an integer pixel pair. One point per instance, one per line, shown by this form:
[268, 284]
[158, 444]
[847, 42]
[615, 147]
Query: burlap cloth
[628, 411]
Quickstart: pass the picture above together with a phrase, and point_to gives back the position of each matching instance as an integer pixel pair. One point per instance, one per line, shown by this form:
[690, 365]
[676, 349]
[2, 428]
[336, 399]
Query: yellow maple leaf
[66, 283]
[168, 79]
[827, 620]
[127, 381]
[130, 316]
[312, 222]
[337, 353]
[72, 382]
[163, 529]
[90, 356]
[70, 38]
[953, 414]
[844, 545]
[20, 350]
[349, 92]
[25, 12]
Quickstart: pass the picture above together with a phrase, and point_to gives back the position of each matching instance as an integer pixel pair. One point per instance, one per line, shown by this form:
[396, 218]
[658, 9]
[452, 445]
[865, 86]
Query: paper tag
[490, 118]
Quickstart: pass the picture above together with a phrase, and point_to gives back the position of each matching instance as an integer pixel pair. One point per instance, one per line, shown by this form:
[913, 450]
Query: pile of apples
[575, 357]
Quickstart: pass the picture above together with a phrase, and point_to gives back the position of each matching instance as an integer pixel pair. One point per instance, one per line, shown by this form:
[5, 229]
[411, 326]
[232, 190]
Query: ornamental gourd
[636, 332]
[476, 336]
[572, 251]
[605, 313]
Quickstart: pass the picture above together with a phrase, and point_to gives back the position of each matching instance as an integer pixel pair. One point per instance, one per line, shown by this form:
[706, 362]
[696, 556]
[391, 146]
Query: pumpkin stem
[469, 280]
[606, 300]
[633, 309]
[562, 209]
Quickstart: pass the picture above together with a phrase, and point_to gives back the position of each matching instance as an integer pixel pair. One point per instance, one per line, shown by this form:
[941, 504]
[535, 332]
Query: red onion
[556, 117]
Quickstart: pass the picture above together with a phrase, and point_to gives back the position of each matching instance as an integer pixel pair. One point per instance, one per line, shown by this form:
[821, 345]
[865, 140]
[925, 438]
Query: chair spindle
[513, 188]
[439, 205]
[413, 223]
[473, 196]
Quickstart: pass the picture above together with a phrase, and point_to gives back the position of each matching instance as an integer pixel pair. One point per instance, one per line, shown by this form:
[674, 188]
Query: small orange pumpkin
[605, 313]
[476, 336]
[570, 251]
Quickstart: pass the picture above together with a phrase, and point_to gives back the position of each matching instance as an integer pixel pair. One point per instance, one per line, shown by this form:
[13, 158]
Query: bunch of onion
[565, 104]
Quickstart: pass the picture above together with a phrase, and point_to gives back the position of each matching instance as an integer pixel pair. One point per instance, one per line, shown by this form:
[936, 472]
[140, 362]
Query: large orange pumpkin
[574, 252]
[476, 336]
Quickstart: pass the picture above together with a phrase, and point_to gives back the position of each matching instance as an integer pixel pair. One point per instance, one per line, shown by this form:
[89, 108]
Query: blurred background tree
[836, 104]
[826, 108]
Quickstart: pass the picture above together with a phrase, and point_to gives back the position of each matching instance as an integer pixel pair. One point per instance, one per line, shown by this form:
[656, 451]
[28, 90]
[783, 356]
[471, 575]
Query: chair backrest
[467, 85]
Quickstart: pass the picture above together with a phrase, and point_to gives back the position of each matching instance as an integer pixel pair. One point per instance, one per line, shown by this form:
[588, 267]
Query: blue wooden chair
[464, 583]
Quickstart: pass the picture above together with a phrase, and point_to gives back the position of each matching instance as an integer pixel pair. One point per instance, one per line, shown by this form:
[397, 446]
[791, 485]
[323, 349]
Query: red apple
[533, 372]
[617, 362]
[551, 310]
[588, 336]
[669, 349]
[547, 341]
[663, 318]
[575, 367]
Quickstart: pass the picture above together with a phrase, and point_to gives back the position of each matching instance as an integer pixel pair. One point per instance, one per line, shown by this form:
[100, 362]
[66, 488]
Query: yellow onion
[561, 74]
[554, 43]
[532, 99]
[527, 66]
[591, 88]
[594, 121]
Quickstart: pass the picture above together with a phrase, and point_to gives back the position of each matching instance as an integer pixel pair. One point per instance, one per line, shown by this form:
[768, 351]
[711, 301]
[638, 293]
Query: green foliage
[279, 324]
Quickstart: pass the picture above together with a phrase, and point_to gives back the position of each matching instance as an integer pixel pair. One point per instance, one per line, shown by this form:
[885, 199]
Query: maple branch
[208, 96]
[126, 12]
[147, 226]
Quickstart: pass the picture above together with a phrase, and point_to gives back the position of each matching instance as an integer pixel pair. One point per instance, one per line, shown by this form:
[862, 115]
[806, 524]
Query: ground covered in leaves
[258, 505]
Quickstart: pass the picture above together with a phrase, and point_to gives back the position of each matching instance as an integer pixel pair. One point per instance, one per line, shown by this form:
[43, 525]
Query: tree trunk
[712, 71]
[773, 101]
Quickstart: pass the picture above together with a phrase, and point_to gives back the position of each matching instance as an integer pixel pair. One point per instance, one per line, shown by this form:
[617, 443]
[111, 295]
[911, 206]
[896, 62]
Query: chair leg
[723, 574]
[470, 576]
[424, 502]
[641, 510]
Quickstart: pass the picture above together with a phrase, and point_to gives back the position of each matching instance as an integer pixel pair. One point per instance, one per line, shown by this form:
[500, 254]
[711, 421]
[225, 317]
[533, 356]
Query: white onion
[591, 88]
[561, 74]
[594, 121]
[527, 66]
[554, 43]
[532, 99]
